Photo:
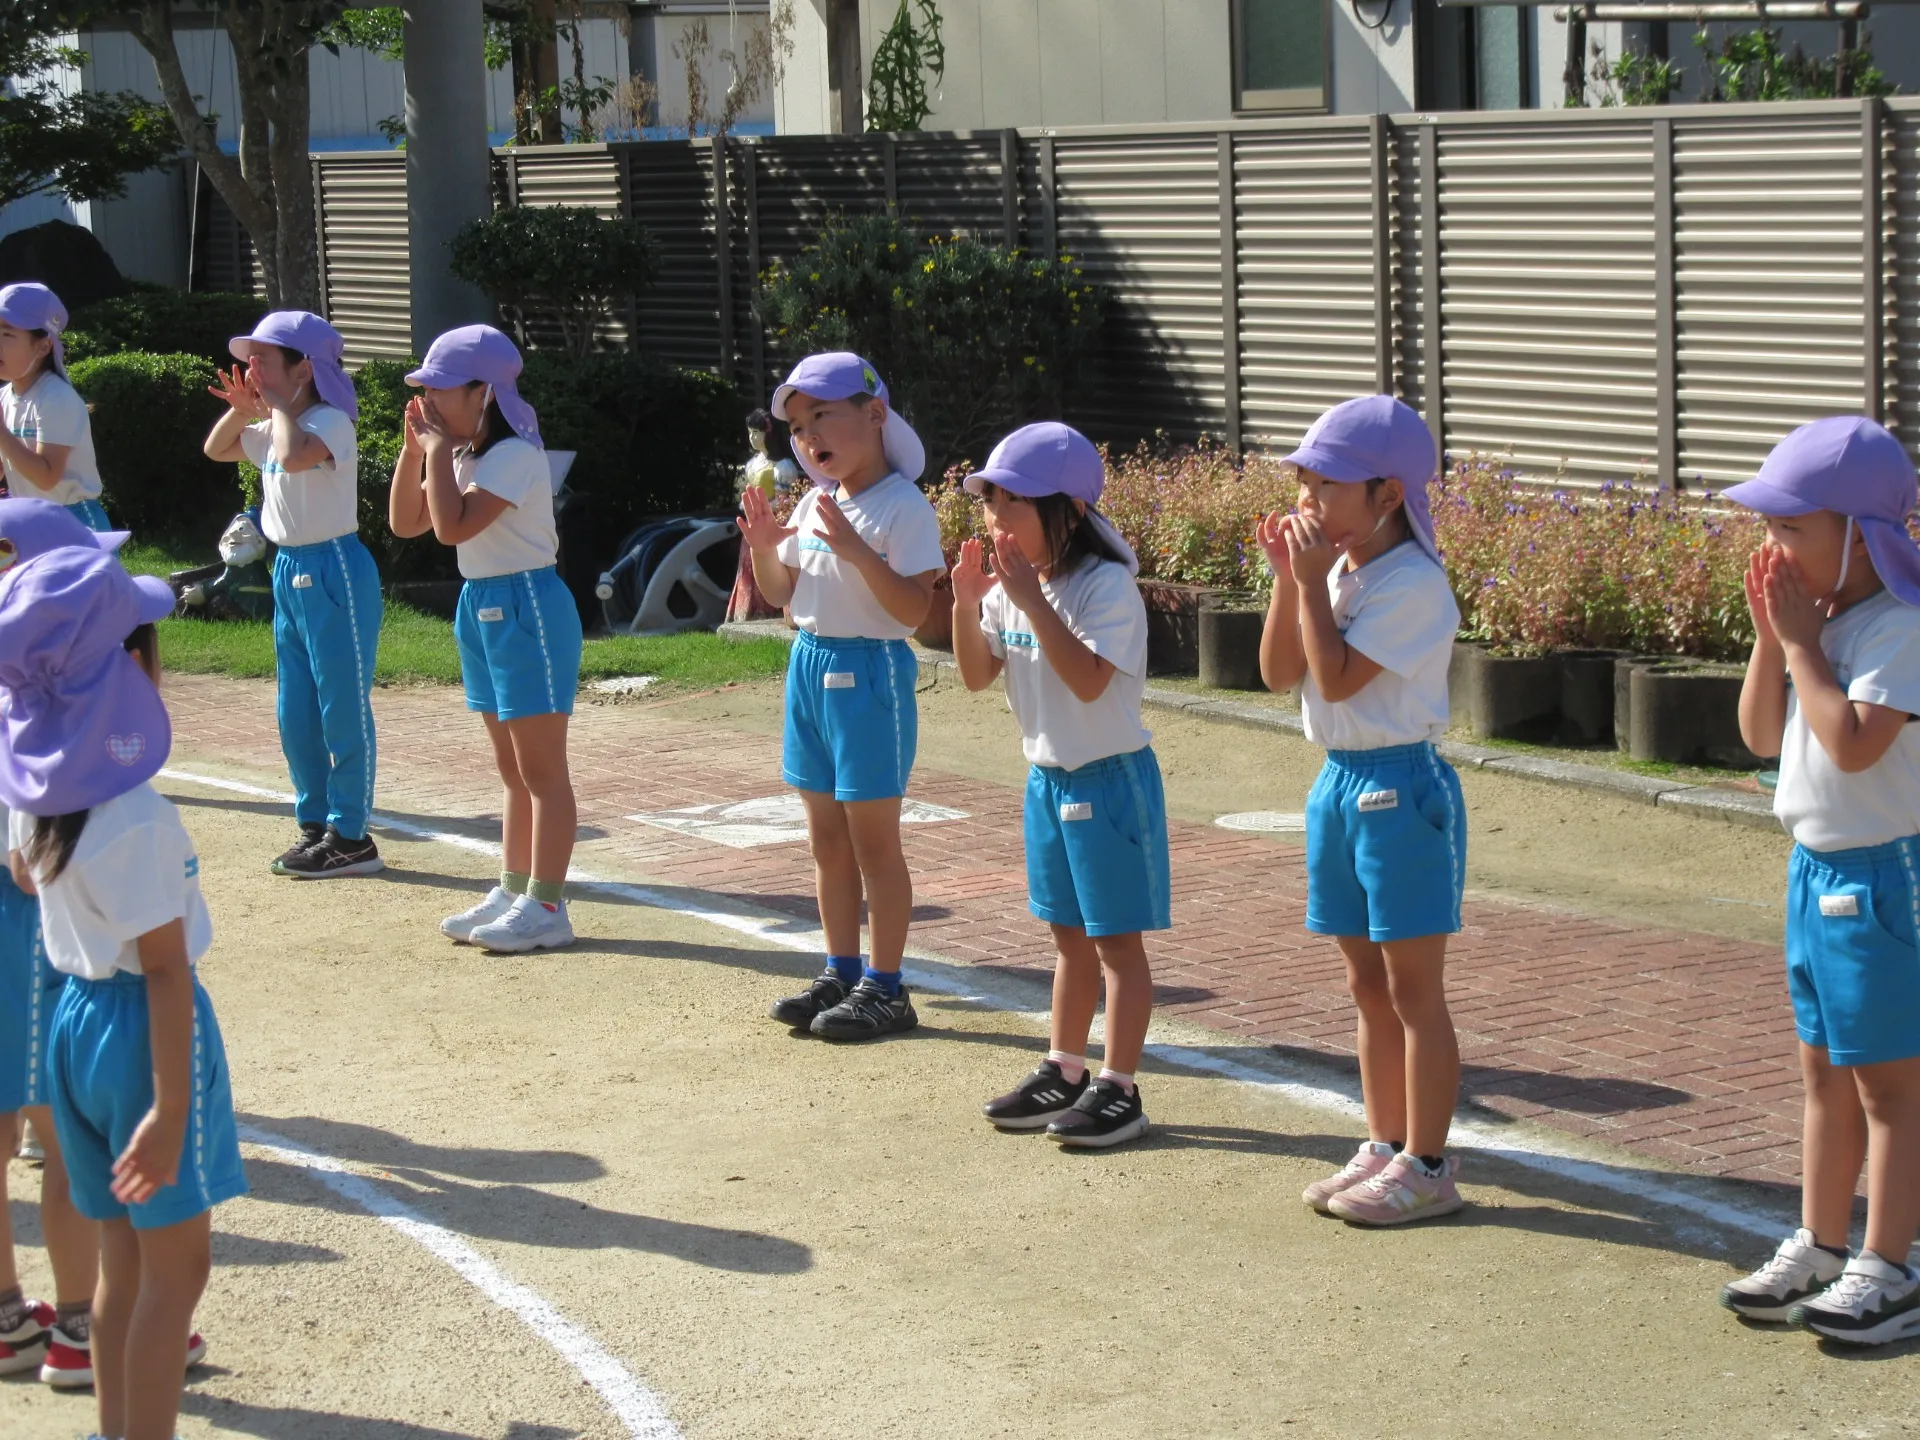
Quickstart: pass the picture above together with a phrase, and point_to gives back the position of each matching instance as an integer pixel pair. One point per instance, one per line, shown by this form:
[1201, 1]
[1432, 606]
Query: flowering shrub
[1535, 568]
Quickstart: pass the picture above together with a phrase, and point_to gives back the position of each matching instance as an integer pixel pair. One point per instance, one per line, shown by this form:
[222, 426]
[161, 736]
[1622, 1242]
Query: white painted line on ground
[1537, 1153]
[637, 1407]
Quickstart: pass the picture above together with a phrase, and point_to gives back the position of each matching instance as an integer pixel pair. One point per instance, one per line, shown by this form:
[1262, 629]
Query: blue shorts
[1097, 845]
[92, 514]
[519, 639]
[102, 1071]
[852, 722]
[1853, 969]
[1386, 845]
[29, 989]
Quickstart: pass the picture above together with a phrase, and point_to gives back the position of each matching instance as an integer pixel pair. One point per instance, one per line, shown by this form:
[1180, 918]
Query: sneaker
[823, 994]
[867, 1012]
[527, 925]
[1874, 1301]
[196, 1349]
[25, 1346]
[1373, 1157]
[69, 1361]
[331, 857]
[1401, 1192]
[1037, 1101]
[1799, 1270]
[459, 928]
[1105, 1114]
[310, 836]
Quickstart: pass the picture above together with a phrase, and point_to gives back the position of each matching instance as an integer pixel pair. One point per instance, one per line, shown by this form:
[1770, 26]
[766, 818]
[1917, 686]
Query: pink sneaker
[25, 1347]
[1373, 1157]
[1401, 1192]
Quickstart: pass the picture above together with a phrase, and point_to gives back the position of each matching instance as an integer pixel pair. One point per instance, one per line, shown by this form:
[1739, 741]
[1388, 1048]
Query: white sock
[1073, 1068]
[1118, 1077]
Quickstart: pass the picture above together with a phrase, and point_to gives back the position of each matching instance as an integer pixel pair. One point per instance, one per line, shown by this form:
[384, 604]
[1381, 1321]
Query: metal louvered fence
[1659, 291]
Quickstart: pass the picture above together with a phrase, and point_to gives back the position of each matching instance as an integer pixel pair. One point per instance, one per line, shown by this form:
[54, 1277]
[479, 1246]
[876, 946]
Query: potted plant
[1230, 642]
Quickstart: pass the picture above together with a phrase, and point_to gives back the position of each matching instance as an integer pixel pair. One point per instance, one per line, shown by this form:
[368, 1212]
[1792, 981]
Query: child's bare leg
[1833, 1147]
[1416, 974]
[1076, 991]
[836, 874]
[114, 1300]
[1890, 1094]
[174, 1264]
[540, 750]
[1129, 998]
[1383, 1043]
[73, 1241]
[874, 828]
[516, 811]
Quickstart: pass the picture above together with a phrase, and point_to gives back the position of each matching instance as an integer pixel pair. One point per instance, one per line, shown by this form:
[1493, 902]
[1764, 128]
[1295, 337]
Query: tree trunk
[293, 178]
[544, 62]
[248, 192]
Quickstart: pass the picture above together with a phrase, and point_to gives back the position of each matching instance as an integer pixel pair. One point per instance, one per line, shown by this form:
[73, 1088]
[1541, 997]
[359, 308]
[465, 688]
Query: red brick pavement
[1676, 1046]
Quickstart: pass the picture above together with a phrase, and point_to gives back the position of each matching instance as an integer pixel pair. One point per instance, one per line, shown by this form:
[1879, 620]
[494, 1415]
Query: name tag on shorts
[1379, 800]
[490, 612]
[1078, 810]
[1839, 904]
[303, 582]
[838, 680]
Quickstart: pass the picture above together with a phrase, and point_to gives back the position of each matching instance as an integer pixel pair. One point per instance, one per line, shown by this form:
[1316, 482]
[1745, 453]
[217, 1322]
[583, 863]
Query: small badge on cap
[1834, 905]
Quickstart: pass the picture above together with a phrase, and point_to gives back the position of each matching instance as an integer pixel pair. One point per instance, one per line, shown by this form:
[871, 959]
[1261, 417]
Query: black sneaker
[866, 1013]
[1042, 1097]
[332, 857]
[1103, 1115]
[310, 836]
[823, 994]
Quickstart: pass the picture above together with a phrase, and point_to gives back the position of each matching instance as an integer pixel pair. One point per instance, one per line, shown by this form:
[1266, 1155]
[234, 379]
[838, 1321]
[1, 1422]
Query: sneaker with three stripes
[1037, 1101]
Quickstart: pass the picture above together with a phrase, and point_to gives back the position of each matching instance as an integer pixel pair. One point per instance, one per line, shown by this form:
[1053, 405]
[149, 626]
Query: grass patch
[417, 648]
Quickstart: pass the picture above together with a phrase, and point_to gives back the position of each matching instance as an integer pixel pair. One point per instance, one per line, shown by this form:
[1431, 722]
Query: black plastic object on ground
[671, 575]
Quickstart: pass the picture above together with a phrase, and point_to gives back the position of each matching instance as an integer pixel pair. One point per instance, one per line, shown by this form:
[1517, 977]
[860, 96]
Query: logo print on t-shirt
[126, 749]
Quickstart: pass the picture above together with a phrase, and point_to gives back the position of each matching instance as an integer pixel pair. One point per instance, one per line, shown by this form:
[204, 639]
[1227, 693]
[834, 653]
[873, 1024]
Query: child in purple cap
[1833, 688]
[291, 412]
[472, 471]
[137, 1073]
[1362, 619]
[855, 569]
[1062, 618]
[47, 445]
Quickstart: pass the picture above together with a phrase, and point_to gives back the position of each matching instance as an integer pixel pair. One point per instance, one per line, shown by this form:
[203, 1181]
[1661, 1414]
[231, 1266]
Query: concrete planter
[1230, 648]
[1173, 626]
[1623, 668]
[936, 631]
[1688, 714]
[1587, 701]
[1511, 698]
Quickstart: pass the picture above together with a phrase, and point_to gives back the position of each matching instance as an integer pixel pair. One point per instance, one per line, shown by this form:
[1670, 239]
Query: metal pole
[1050, 216]
[1872, 258]
[1229, 293]
[723, 253]
[1010, 189]
[320, 230]
[1666, 381]
[449, 180]
[1382, 256]
[750, 174]
[1433, 360]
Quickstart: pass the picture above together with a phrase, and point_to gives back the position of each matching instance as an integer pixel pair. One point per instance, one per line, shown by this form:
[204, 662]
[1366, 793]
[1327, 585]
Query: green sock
[547, 892]
[514, 882]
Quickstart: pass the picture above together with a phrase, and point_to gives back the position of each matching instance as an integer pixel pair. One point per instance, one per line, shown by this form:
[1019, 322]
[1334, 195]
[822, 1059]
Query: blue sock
[887, 980]
[847, 967]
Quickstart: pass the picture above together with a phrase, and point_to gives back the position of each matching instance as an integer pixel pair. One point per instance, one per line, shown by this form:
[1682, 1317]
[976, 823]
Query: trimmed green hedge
[151, 415]
[163, 322]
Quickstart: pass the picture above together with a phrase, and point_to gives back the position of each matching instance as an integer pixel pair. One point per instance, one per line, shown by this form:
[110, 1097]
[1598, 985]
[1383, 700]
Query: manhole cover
[1266, 822]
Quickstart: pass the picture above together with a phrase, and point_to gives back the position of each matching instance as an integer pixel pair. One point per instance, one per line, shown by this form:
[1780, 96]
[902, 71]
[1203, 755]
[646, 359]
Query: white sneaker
[1874, 1301]
[527, 925]
[459, 928]
[1799, 1270]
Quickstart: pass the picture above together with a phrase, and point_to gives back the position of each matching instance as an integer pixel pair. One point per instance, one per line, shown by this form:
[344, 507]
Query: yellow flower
[1031, 360]
[815, 276]
[928, 267]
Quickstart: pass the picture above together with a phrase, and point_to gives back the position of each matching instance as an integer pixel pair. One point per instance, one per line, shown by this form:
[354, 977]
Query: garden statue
[239, 588]
[771, 465]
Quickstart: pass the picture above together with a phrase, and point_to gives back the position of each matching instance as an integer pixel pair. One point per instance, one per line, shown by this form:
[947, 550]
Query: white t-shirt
[831, 599]
[1874, 649]
[133, 870]
[1398, 611]
[315, 505]
[1101, 605]
[523, 538]
[52, 411]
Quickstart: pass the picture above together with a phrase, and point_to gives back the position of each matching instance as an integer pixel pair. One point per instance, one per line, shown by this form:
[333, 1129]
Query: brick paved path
[1673, 1045]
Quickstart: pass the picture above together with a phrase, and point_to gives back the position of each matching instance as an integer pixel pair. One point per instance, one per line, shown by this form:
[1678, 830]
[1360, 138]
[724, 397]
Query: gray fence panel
[1902, 307]
[1409, 270]
[363, 217]
[1547, 276]
[1303, 206]
[949, 183]
[671, 190]
[1142, 217]
[1767, 280]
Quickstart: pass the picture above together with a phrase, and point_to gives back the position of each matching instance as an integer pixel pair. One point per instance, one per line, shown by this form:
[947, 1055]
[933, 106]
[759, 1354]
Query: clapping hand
[1310, 555]
[420, 426]
[1795, 616]
[1755, 582]
[971, 582]
[838, 531]
[240, 392]
[1270, 533]
[757, 523]
[1018, 577]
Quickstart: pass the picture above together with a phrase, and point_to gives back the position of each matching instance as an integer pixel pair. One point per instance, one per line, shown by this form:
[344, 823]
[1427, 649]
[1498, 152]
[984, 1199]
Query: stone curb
[1709, 802]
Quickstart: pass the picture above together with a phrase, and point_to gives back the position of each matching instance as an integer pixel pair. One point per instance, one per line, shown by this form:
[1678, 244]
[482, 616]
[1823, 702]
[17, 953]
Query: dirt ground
[779, 1238]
